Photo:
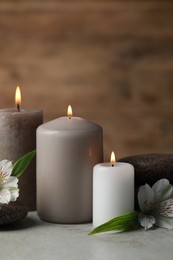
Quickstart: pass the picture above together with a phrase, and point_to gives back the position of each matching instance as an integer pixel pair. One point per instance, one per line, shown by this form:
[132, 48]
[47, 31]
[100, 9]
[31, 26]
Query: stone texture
[149, 168]
[11, 213]
[111, 60]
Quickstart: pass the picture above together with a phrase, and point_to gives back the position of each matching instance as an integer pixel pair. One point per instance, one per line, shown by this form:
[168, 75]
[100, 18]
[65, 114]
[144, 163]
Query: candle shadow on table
[26, 223]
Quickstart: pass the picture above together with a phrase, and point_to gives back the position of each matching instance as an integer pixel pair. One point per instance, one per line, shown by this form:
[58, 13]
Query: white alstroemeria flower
[156, 205]
[8, 184]
[146, 221]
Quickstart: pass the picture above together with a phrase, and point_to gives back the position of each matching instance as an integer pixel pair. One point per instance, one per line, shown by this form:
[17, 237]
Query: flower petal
[162, 190]
[2, 163]
[166, 208]
[159, 185]
[164, 222]
[5, 170]
[12, 186]
[11, 182]
[8, 167]
[145, 196]
[14, 194]
[5, 196]
[146, 221]
[167, 193]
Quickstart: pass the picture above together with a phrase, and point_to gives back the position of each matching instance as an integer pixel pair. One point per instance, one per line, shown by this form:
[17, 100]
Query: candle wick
[18, 107]
[112, 165]
[69, 117]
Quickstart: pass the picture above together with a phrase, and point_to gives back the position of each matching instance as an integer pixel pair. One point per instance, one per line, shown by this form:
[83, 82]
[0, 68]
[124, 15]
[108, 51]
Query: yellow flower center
[2, 177]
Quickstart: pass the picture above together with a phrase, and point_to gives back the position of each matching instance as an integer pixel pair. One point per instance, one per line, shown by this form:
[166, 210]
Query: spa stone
[149, 168]
[11, 213]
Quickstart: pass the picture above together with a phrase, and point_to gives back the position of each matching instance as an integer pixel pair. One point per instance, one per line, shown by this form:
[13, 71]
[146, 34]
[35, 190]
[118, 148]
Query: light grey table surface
[38, 240]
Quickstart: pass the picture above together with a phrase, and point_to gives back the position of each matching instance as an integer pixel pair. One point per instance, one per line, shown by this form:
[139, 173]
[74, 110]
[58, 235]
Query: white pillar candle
[67, 150]
[18, 137]
[113, 191]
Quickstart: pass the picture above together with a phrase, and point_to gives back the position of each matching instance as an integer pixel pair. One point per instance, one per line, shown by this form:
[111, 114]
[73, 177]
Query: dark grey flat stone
[149, 168]
[11, 213]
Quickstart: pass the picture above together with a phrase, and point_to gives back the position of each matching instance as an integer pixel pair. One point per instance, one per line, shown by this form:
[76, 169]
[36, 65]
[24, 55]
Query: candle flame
[18, 97]
[112, 158]
[69, 111]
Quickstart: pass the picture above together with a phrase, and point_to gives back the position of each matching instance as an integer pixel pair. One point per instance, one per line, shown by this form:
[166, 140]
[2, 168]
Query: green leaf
[125, 222]
[21, 165]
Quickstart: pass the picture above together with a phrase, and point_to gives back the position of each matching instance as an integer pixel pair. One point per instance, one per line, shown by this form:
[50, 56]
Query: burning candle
[18, 98]
[17, 137]
[113, 190]
[67, 150]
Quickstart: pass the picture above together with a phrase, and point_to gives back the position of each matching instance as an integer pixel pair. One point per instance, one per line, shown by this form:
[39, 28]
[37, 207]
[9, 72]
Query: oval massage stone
[11, 213]
[149, 168]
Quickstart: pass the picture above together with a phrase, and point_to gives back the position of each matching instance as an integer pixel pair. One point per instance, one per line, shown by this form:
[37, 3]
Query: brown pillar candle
[18, 137]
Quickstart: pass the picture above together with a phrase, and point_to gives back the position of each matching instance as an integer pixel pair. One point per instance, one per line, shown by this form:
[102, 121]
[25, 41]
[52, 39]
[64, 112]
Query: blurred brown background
[111, 60]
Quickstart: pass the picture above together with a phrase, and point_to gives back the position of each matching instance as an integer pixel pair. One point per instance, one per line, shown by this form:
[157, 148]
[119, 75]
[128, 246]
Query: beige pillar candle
[67, 150]
[18, 137]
